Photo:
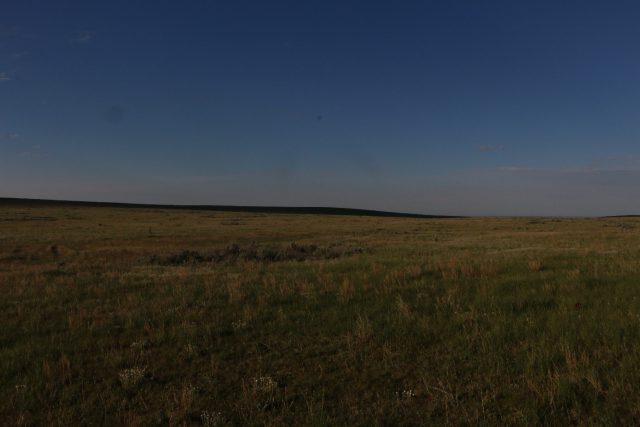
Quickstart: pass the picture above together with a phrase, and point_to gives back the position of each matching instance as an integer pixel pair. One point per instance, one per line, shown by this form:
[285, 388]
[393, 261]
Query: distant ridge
[11, 201]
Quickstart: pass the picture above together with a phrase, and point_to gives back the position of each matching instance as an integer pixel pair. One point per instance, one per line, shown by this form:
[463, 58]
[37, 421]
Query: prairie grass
[156, 317]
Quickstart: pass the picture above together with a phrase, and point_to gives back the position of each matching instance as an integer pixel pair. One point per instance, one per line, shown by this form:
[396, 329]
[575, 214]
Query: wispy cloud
[15, 31]
[4, 77]
[14, 144]
[593, 170]
[20, 55]
[491, 148]
[515, 169]
[9, 136]
[83, 37]
[31, 151]
[7, 31]
[616, 162]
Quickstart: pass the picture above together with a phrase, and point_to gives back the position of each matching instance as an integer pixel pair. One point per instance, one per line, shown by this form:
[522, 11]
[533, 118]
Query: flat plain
[116, 316]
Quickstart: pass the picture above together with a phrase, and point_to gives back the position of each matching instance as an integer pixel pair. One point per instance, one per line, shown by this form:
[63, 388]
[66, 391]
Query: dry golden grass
[159, 317]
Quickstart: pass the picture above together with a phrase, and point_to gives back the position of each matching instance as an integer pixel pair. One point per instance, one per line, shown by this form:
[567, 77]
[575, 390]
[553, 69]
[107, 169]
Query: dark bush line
[318, 210]
[254, 253]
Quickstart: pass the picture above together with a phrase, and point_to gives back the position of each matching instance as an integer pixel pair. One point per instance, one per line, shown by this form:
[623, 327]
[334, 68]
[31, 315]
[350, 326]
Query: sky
[438, 107]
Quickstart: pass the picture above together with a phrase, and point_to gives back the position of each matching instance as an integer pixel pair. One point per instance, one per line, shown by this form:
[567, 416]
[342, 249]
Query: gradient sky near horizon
[441, 107]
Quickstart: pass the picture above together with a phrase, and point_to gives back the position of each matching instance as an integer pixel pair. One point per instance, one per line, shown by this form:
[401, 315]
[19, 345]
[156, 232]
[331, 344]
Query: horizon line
[311, 210]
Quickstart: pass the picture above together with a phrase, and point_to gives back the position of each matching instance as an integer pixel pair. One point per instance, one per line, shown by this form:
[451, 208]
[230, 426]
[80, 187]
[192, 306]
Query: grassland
[160, 317]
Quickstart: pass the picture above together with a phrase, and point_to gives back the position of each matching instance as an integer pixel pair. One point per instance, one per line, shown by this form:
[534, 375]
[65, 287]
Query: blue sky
[444, 107]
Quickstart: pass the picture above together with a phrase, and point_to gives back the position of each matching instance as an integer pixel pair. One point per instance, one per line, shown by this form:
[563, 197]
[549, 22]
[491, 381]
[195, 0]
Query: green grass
[513, 321]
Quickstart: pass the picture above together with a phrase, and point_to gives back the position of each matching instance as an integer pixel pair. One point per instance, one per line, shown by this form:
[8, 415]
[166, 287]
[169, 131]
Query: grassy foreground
[159, 317]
